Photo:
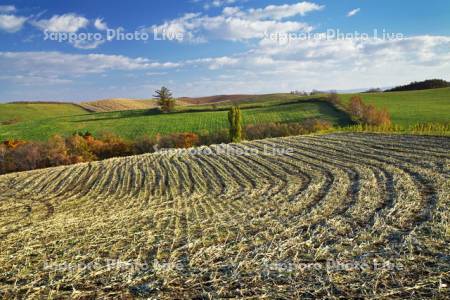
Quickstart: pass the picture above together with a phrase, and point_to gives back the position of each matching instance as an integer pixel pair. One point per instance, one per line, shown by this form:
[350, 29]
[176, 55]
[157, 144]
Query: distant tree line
[374, 90]
[416, 85]
[421, 85]
[312, 93]
[299, 93]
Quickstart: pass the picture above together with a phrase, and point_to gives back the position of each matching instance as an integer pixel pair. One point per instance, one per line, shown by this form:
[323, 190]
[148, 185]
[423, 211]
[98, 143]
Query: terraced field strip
[237, 220]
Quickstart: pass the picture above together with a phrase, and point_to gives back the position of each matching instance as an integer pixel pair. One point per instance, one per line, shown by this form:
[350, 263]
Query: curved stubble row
[207, 212]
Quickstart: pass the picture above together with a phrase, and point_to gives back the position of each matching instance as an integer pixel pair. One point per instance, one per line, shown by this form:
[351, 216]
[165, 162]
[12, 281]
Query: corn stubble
[216, 226]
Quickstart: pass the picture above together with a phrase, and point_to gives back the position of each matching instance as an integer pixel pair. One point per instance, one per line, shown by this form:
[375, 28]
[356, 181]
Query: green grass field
[35, 111]
[41, 121]
[409, 108]
[133, 124]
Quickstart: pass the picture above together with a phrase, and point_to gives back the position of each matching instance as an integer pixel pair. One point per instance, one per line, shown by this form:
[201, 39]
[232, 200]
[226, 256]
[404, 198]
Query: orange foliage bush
[367, 114]
[84, 147]
[178, 140]
[11, 144]
[109, 145]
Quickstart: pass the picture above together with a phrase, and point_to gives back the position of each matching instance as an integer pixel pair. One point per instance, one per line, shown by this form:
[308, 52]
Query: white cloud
[11, 23]
[278, 12]
[62, 23]
[56, 65]
[268, 67]
[235, 24]
[353, 12]
[87, 45]
[33, 80]
[100, 25]
[321, 64]
[418, 50]
[213, 63]
[342, 64]
[7, 8]
[218, 3]
[51, 64]
[242, 29]
[182, 26]
[72, 23]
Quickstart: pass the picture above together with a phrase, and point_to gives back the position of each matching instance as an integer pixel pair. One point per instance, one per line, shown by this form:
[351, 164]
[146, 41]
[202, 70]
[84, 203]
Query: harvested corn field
[340, 215]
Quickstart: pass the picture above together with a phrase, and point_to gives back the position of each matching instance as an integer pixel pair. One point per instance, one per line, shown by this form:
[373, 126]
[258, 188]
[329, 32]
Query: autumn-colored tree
[111, 145]
[384, 117]
[334, 98]
[356, 107]
[27, 156]
[79, 149]
[56, 151]
[367, 114]
[188, 140]
[11, 144]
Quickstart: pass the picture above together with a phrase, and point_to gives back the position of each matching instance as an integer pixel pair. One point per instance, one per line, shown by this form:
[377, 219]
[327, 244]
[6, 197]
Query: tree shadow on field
[116, 115]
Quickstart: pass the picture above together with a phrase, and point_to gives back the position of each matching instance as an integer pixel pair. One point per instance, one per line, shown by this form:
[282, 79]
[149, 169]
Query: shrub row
[84, 147]
[361, 113]
[268, 130]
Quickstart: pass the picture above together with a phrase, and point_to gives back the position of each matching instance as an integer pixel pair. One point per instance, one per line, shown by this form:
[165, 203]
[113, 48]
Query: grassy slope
[409, 108]
[251, 102]
[117, 104]
[200, 103]
[36, 111]
[40, 121]
[132, 124]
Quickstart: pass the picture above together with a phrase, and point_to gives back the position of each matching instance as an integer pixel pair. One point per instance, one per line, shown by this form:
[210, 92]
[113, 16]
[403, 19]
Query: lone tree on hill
[165, 100]
[235, 119]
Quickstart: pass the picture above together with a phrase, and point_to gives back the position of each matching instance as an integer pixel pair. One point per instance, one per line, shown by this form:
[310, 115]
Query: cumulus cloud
[11, 23]
[62, 23]
[323, 64]
[100, 25]
[71, 23]
[213, 63]
[183, 26]
[268, 67]
[342, 64]
[218, 3]
[353, 12]
[7, 8]
[235, 24]
[418, 50]
[33, 80]
[66, 66]
[87, 45]
[278, 12]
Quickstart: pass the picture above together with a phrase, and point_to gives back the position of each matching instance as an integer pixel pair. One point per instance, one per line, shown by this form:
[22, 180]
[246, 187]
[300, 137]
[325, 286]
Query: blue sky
[221, 46]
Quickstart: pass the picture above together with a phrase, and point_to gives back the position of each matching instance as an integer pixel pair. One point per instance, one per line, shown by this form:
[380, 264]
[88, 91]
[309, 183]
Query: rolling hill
[136, 123]
[40, 121]
[411, 107]
[117, 104]
[120, 104]
[31, 111]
